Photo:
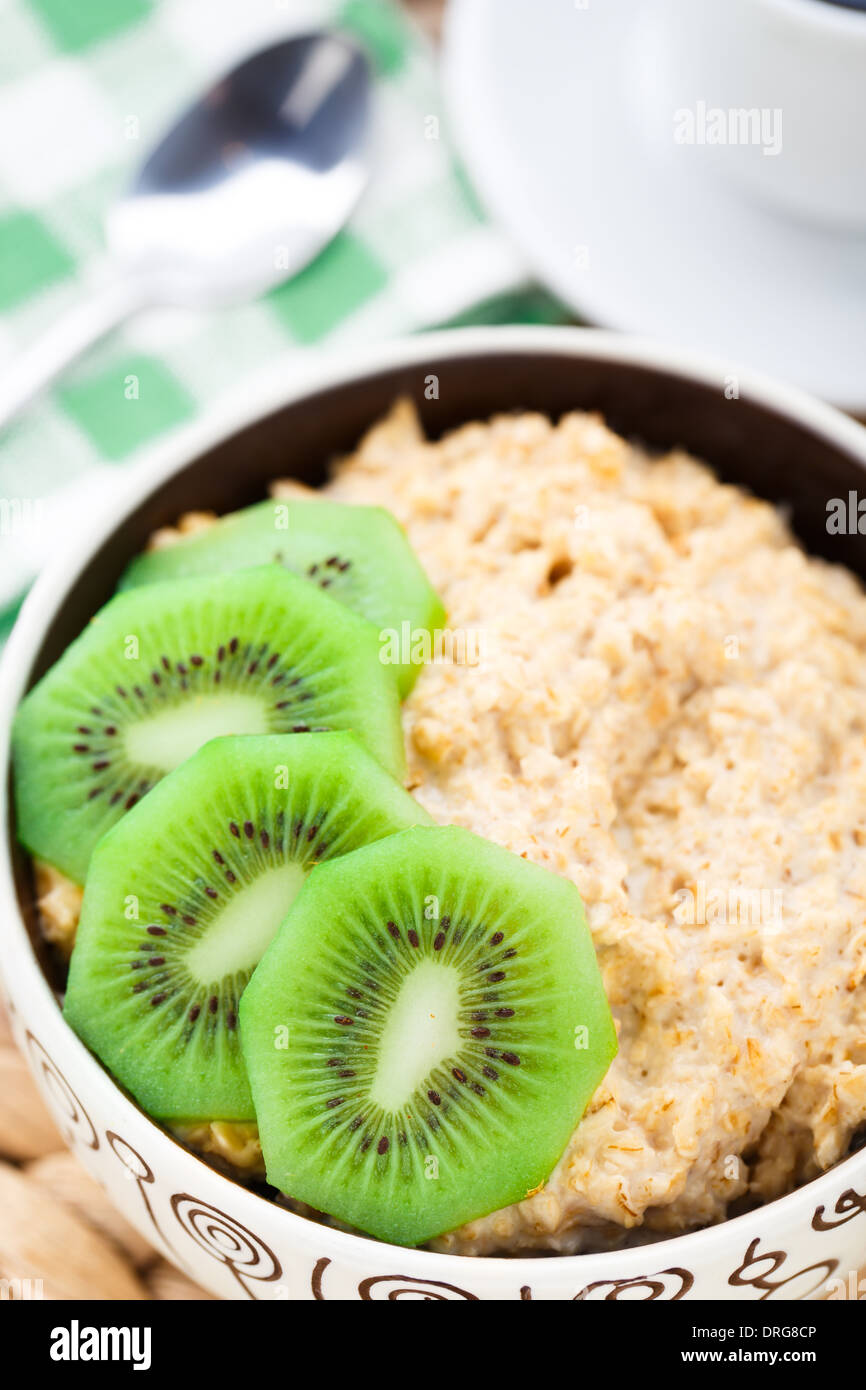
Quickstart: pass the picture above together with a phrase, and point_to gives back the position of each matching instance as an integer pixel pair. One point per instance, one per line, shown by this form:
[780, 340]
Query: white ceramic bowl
[231, 1240]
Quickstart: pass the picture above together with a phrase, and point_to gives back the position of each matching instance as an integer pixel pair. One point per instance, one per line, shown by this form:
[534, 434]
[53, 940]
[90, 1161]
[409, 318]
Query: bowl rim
[284, 384]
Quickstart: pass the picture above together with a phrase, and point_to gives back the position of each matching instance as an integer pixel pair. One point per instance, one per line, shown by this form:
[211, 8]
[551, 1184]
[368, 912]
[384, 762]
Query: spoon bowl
[253, 180]
[243, 191]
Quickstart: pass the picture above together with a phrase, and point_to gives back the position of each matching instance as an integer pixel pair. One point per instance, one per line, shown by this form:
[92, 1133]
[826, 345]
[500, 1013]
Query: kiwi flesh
[184, 894]
[160, 671]
[357, 555]
[445, 1027]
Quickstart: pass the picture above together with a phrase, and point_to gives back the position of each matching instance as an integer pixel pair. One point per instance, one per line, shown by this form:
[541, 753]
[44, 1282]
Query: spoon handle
[76, 331]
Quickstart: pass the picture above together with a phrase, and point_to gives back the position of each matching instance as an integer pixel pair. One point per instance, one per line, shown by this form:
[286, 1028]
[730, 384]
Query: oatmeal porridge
[650, 689]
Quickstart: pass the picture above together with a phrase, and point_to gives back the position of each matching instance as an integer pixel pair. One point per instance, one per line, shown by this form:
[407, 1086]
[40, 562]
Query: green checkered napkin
[85, 87]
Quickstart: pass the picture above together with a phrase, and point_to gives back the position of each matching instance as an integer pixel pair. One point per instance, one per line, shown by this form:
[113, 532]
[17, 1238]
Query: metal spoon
[247, 187]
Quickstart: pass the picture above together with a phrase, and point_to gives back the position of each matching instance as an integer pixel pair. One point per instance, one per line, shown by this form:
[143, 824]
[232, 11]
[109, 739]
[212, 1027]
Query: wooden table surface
[427, 13]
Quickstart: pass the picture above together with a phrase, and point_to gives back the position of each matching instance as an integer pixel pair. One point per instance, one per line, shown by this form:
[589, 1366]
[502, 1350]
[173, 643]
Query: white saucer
[562, 118]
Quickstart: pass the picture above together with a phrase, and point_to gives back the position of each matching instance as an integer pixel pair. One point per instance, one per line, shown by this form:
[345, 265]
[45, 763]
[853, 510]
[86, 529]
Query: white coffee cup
[775, 90]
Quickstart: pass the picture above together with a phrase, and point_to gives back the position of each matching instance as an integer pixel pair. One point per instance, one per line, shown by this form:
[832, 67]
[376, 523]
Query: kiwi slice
[161, 671]
[445, 1027]
[185, 893]
[358, 555]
